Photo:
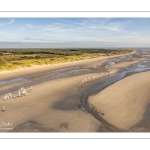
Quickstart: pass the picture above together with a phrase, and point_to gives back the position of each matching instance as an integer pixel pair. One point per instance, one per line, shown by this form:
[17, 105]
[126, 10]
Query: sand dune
[38, 69]
[124, 102]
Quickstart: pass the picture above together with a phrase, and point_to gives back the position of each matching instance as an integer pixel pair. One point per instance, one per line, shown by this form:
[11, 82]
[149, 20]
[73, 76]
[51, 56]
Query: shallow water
[103, 83]
[41, 77]
[12, 81]
[87, 89]
[75, 71]
[135, 68]
[110, 63]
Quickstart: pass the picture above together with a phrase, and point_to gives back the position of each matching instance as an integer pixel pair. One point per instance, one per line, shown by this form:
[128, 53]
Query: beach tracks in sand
[55, 104]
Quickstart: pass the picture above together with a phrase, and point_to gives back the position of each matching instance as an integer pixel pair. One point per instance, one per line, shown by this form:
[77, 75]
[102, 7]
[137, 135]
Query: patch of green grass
[11, 59]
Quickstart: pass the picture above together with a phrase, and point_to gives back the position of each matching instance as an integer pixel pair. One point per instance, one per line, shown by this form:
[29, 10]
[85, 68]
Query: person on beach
[3, 109]
[19, 93]
[5, 98]
[31, 88]
[9, 94]
[24, 92]
[28, 89]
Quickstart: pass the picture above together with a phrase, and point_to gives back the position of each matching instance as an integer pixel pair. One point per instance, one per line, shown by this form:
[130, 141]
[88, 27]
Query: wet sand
[5, 75]
[55, 105]
[123, 103]
[37, 107]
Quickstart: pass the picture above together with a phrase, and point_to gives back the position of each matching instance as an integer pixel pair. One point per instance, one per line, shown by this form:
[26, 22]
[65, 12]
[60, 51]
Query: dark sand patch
[31, 126]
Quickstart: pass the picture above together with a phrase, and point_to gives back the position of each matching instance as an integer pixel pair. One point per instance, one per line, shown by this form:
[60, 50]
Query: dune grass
[11, 59]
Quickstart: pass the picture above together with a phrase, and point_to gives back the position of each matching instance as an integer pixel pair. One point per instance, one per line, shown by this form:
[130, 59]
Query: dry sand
[124, 102]
[36, 107]
[38, 69]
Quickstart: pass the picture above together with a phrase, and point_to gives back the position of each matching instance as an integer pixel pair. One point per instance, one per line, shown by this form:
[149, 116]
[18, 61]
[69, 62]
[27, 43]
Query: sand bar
[124, 102]
[37, 107]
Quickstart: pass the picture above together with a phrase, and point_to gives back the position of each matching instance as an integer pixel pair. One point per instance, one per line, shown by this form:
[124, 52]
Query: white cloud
[5, 24]
[126, 37]
[12, 20]
[23, 28]
[111, 28]
[31, 26]
[87, 31]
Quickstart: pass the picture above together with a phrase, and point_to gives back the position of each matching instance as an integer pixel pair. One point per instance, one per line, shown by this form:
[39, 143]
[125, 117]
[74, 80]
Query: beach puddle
[12, 81]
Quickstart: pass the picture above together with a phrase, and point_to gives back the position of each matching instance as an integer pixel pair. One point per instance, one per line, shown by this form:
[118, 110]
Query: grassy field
[11, 59]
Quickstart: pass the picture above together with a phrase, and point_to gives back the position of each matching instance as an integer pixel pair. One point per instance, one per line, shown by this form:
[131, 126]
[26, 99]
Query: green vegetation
[11, 59]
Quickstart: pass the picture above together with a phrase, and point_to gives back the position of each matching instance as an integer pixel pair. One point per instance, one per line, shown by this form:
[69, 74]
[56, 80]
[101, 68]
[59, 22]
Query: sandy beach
[38, 108]
[37, 69]
[124, 102]
[54, 104]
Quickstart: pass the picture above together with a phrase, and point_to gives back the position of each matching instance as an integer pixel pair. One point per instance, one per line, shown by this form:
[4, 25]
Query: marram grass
[11, 59]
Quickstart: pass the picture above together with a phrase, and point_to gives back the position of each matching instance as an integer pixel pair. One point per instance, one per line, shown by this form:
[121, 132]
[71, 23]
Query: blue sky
[74, 32]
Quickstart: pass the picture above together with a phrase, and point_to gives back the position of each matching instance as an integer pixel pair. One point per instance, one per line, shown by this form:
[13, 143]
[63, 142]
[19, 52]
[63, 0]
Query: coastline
[56, 103]
[124, 102]
[42, 68]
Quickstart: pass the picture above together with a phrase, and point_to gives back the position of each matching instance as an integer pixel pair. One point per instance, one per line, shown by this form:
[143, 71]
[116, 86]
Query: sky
[74, 32]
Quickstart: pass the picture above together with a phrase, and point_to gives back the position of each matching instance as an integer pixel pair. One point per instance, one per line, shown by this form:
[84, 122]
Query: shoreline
[8, 74]
[127, 97]
[58, 105]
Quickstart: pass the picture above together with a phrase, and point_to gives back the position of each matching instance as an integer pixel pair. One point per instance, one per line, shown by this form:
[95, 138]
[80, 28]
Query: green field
[11, 59]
